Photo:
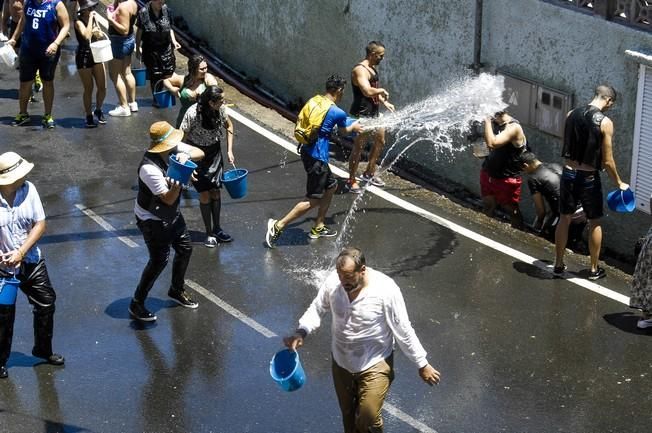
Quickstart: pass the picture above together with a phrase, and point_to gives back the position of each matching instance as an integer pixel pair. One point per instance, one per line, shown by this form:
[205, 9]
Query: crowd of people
[363, 344]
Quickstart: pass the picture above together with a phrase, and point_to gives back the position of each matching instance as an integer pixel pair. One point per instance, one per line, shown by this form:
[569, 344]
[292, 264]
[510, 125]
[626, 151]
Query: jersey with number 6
[41, 25]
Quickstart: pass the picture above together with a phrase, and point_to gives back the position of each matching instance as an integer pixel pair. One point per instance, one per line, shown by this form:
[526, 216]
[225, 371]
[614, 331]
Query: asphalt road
[518, 350]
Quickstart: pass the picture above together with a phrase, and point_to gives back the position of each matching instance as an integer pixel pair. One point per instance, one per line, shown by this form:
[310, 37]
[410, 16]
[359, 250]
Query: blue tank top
[41, 25]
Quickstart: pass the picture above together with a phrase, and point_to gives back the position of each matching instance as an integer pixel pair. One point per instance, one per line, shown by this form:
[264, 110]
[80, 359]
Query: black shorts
[319, 174]
[30, 64]
[84, 59]
[581, 187]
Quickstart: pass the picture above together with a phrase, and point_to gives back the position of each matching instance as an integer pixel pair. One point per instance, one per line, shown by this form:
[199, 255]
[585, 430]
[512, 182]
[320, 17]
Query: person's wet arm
[117, 18]
[64, 27]
[19, 30]
[607, 129]
[229, 140]
[539, 208]
[507, 135]
[15, 257]
[361, 79]
[139, 39]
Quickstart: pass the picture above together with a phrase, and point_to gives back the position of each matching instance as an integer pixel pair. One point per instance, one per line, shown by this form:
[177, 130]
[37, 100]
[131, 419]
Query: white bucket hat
[13, 167]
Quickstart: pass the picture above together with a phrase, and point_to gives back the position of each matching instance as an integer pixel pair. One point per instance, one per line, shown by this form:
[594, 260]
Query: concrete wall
[293, 45]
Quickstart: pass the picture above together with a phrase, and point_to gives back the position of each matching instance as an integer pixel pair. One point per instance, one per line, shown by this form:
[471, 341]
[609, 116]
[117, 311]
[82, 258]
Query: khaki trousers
[361, 395]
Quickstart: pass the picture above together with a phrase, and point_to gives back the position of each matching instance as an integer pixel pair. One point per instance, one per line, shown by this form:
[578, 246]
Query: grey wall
[293, 45]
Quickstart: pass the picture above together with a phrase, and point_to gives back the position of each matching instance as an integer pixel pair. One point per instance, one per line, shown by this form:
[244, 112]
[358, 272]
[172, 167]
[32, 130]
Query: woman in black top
[90, 73]
[155, 41]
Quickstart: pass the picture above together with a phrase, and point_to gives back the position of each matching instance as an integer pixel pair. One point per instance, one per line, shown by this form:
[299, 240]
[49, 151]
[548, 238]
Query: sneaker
[223, 236]
[90, 122]
[644, 323]
[52, 358]
[373, 180]
[21, 119]
[558, 270]
[33, 99]
[210, 242]
[100, 116]
[182, 298]
[597, 274]
[133, 106]
[322, 232]
[138, 311]
[38, 84]
[48, 121]
[3, 372]
[353, 187]
[120, 111]
[272, 233]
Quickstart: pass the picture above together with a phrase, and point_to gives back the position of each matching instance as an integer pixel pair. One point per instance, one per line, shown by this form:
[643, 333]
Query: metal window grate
[635, 13]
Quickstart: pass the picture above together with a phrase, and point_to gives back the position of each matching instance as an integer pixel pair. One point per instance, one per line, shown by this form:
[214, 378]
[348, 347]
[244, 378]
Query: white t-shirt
[152, 176]
[364, 331]
[17, 220]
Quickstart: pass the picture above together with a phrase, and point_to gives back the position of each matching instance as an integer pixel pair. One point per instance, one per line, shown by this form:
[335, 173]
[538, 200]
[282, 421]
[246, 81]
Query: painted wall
[293, 45]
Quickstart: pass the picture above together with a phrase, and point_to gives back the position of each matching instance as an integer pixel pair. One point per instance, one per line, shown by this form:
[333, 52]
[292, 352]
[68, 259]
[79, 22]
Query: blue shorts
[122, 46]
[584, 188]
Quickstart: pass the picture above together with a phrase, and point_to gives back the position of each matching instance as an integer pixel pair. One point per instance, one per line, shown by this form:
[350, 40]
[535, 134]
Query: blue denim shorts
[122, 46]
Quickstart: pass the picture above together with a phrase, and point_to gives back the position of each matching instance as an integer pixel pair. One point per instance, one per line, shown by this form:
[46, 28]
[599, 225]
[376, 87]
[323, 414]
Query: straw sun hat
[164, 137]
[13, 167]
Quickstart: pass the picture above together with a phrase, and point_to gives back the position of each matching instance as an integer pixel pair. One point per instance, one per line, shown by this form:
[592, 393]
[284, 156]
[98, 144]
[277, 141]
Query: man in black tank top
[367, 97]
[500, 179]
[587, 149]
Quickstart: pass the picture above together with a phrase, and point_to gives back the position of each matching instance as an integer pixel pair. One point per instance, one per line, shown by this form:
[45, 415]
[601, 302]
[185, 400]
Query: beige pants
[361, 395]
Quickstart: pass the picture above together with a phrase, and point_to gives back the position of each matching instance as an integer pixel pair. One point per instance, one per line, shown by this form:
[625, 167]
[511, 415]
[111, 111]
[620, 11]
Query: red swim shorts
[506, 191]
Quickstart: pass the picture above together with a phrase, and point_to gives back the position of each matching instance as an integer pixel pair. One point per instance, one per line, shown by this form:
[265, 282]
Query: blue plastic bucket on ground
[140, 74]
[8, 290]
[621, 201]
[235, 182]
[180, 172]
[163, 98]
[286, 370]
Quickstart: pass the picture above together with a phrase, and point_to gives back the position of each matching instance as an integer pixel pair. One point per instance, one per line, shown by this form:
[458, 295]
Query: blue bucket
[140, 74]
[180, 172]
[622, 201]
[286, 370]
[163, 98]
[235, 182]
[8, 290]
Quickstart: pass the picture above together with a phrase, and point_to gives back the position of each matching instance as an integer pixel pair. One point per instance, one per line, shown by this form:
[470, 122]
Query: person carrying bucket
[159, 219]
[204, 125]
[368, 316]
[91, 73]
[43, 27]
[155, 41]
[22, 223]
[321, 184]
[587, 149]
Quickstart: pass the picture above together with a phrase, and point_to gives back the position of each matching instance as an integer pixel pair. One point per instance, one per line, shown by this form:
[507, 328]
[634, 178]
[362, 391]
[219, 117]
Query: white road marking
[105, 225]
[231, 310]
[407, 419]
[601, 290]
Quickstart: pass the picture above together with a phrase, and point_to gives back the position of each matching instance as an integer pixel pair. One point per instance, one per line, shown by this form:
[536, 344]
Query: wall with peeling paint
[291, 46]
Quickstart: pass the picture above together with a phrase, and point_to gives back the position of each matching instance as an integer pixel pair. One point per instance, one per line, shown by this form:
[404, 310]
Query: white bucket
[8, 55]
[101, 50]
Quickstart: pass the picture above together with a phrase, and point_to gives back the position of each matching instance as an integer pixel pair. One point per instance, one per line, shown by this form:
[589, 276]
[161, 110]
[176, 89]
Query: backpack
[310, 118]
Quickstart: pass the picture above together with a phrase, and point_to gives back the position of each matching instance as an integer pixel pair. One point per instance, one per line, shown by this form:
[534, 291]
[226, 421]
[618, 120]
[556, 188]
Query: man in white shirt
[368, 315]
[22, 223]
[159, 219]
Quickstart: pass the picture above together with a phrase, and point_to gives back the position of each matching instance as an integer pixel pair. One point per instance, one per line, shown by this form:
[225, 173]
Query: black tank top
[363, 106]
[504, 161]
[583, 137]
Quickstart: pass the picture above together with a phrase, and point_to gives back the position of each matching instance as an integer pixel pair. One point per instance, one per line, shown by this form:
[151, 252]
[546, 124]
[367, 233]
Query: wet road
[518, 350]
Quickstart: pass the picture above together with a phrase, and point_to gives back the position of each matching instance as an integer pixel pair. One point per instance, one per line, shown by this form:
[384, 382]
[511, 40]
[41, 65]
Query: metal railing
[635, 13]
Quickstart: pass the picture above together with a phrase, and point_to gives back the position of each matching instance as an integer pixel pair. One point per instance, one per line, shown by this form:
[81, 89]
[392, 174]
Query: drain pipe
[477, 40]
[232, 77]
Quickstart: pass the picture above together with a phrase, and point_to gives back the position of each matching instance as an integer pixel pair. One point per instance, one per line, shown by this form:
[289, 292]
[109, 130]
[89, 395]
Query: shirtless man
[367, 97]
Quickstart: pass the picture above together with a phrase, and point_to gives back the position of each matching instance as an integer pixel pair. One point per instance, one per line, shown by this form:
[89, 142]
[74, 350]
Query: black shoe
[52, 359]
[90, 123]
[3, 372]
[597, 274]
[100, 116]
[182, 298]
[138, 311]
[222, 236]
[558, 270]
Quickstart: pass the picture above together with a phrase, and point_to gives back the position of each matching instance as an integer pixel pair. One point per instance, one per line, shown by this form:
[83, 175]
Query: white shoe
[133, 106]
[373, 180]
[120, 111]
[210, 242]
[644, 323]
